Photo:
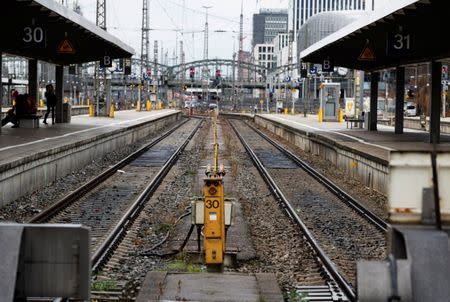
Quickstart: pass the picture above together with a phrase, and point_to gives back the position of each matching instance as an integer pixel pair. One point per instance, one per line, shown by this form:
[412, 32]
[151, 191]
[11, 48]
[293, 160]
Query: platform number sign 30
[399, 43]
[34, 36]
[212, 204]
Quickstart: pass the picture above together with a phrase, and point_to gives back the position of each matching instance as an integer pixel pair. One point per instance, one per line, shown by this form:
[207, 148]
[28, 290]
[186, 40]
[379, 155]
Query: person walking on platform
[51, 102]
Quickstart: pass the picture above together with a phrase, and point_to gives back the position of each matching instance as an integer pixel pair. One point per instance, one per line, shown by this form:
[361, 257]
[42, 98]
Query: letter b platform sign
[106, 62]
[327, 65]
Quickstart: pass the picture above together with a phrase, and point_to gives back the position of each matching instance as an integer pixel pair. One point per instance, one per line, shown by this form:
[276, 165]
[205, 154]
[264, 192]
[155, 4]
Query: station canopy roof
[401, 33]
[48, 31]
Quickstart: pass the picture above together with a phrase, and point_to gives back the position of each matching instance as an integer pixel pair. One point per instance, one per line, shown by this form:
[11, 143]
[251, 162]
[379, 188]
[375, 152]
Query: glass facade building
[302, 10]
[322, 25]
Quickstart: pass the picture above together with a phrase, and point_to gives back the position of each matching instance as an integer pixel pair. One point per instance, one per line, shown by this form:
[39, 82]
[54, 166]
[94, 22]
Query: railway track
[110, 203]
[337, 227]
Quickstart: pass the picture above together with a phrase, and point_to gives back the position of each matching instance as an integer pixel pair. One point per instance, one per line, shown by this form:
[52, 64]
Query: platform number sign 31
[399, 43]
[34, 36]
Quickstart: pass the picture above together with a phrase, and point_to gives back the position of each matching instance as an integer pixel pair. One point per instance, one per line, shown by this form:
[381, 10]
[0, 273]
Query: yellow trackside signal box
[214, 220]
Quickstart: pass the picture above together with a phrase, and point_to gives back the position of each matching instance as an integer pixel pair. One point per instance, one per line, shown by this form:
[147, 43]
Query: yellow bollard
[41, 103]
[340, 115]
[148, 106]
[91, 110]
[111, 111]
[138, 106]
[320, 115]
[285, 111]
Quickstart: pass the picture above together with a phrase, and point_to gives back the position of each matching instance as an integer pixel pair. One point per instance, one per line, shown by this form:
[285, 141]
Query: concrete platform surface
[374, 143]
[18, 142]
[209, 287]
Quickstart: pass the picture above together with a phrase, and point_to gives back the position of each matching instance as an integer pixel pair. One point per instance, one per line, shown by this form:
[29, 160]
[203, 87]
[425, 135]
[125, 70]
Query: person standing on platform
[51, 102]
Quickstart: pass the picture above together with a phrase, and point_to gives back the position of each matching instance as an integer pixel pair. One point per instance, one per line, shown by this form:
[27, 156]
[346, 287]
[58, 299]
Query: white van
[410, 109]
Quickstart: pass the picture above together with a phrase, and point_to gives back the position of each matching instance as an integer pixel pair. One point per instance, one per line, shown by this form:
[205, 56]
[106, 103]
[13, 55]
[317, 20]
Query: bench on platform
[29, 120]
[353, 121]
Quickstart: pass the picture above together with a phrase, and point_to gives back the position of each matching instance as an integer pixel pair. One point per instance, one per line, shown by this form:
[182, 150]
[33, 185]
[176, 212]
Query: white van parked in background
[410, 109]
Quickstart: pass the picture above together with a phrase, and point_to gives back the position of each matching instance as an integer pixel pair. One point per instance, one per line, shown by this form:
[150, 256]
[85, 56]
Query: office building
[268, 24]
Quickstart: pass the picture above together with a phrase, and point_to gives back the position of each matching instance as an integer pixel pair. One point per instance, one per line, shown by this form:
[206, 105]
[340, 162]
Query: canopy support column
[400, 99]
[33, 80]
[59, 92]
[374, 79]
[436, 98]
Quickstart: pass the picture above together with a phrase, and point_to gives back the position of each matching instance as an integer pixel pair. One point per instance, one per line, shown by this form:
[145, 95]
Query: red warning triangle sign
[367, 54]
[66, 47]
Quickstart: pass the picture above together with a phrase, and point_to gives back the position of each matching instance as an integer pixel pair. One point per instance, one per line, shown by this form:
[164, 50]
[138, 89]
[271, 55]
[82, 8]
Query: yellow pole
[340, 115]
[41, 103]
[111, 111]
[91, 110]
[320, 115]
[138, 106]
[216, 146]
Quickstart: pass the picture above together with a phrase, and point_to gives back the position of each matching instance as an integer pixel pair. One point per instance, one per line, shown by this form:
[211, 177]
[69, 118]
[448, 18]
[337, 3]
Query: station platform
[209, 287]
[377, 144]
[31, 158]
[362, 154]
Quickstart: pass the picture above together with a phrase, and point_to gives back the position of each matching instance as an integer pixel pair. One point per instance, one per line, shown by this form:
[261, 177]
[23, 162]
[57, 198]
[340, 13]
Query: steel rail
[70, 198]
[107, 247]
[326, 262]
[330, 185]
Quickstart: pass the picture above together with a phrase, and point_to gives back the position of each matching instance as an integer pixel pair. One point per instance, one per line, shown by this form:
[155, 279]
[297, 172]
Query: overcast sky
[124, 19]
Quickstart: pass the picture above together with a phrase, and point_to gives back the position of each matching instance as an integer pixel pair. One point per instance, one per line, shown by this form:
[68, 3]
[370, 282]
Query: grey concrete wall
[37, 170]
[371, 171]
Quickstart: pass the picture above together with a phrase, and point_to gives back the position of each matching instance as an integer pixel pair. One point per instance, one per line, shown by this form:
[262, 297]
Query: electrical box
[410, 173]
[198, 211]
[329, 101]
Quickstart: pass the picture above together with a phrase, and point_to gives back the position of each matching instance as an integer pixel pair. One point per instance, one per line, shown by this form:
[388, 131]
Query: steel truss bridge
[173, 77]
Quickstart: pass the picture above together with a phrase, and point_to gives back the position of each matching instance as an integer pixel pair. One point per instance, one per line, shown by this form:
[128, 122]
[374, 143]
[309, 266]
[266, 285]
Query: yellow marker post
[148, 106]
[214, 213]
[320, 115]
[340, 115]
[41, 103]
[91, 110]
[111, 111]
[285, 111]
[138, 106]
